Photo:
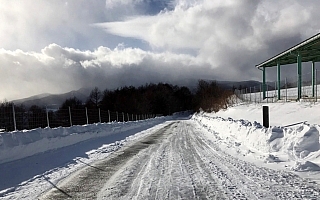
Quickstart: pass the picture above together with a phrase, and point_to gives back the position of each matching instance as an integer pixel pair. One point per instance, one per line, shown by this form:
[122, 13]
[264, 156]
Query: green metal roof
[309, 50]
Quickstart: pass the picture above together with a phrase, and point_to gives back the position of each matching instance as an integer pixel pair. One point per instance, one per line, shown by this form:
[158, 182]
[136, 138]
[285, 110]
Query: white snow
[21, 144]
[291, 143]
[42, 157]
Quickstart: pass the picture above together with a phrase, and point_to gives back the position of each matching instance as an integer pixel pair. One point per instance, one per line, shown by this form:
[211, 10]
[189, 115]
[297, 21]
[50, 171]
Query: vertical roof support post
[299, 75]
[264, 83]
[313, 69]
[279, 79]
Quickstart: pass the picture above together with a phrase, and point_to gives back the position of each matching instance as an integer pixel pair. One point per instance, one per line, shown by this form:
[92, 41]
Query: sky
[56, 46]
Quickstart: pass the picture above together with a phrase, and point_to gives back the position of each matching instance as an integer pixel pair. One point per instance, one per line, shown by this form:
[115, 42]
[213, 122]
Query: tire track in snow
[173, 172]
[263, 183]
[179, 162]
[86, 183]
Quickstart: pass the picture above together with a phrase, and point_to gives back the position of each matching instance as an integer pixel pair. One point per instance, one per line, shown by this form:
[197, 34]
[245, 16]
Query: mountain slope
[55, 100]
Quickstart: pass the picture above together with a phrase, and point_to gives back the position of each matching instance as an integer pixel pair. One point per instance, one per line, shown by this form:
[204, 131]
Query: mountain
[53, 100]
[242, 84]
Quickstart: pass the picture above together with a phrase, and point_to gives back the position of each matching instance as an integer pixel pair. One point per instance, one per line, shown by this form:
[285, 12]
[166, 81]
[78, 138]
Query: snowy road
[179, 162]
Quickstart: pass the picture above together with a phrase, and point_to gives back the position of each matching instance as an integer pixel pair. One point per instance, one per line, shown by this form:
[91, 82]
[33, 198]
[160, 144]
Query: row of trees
[161, 99]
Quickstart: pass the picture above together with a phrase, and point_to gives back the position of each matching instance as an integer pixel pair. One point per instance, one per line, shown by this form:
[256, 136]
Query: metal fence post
[117, 116]
[265, 114]
[275, 89]
[246, 96]
[316, 85]
[14, 118]
[87, 115]
[70, 116]
[267, 93]
[254, 92]
[260, 93]
[109, 115]
[99, 115]
[47, 117]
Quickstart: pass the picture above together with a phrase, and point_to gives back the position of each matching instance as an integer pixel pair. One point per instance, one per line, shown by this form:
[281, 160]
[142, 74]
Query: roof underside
[309, 50]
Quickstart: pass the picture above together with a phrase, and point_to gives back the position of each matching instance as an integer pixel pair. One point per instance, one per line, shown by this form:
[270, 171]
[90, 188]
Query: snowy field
[224, 155]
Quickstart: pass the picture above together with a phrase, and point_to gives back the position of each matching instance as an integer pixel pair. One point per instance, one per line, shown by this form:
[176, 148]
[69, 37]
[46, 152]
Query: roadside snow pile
[299, 142]
[304, 166]
[20, 144]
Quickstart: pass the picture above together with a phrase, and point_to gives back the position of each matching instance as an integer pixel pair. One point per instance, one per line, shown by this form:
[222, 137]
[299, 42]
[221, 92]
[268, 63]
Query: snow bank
[20, 144]
[297, 142]
[305, 166]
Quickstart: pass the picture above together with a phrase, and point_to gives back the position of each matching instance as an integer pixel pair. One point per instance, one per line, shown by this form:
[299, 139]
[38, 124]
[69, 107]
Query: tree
[94, 98]
[73, 103]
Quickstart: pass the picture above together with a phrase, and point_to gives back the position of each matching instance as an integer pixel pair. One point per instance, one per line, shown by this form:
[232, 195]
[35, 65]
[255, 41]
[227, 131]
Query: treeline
[161, 99]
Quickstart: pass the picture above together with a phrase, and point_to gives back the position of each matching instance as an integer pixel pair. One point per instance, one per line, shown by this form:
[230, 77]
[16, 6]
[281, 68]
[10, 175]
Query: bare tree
[94, 98]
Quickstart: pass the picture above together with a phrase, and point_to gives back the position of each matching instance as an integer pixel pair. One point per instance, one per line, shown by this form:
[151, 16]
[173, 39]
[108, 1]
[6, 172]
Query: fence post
[246, 94]
[275, 90]
[99, 115]
[47, 117]
[267, 93]
[265, 114]
[254, 92]
[260, 93]
[286, 87]
[117, 116]
[128, 116]
[132, 117]
[14, 118]
[70, 116]
[122, 117]
[316, 85]
[250, 94]
[109, 115]
[87, 115]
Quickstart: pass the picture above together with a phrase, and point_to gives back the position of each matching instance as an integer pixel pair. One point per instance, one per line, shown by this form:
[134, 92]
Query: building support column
[299, 75]
[264, 83]
[313, 71]
[279, 79]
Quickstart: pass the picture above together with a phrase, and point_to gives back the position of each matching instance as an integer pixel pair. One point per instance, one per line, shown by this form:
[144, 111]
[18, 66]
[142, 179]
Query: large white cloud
[56, 69]
[187, 40]
[232, 36]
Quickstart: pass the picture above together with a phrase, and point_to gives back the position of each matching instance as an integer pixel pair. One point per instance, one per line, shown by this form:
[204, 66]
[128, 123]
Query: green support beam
[313, 71]
[263, 83]
[299, 75]
[279, 80]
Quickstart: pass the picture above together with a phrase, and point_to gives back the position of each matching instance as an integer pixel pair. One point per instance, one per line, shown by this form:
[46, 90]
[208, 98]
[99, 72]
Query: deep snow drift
[292, 140]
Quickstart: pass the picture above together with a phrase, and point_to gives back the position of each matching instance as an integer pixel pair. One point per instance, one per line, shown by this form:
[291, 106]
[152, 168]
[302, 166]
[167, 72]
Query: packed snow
[33, 162]
[291, 142]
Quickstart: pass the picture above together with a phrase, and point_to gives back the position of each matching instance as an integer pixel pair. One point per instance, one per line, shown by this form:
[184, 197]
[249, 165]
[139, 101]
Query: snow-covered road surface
[179, 161]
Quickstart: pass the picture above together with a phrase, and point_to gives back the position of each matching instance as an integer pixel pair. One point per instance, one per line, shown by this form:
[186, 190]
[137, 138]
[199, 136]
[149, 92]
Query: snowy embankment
[21, 144]
[298, 144]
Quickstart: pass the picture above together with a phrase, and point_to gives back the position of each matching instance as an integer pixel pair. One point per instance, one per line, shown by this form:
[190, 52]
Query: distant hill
[53, 100]
[243, 84]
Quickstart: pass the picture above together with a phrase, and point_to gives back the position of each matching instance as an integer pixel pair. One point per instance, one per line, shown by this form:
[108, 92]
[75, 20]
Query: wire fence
[11, 119]
[288, 90]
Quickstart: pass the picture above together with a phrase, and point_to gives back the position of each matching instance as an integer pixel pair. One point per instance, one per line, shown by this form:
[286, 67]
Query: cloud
[56, 69]
[232, 36]
[133, 42]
